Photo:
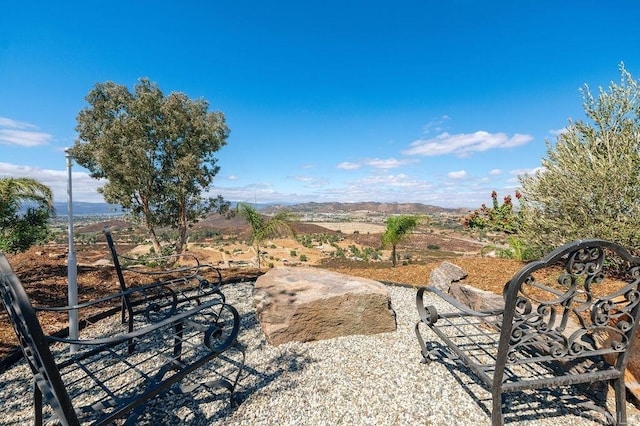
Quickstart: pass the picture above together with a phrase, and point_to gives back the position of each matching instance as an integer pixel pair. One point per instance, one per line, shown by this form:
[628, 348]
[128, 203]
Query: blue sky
[438, 102]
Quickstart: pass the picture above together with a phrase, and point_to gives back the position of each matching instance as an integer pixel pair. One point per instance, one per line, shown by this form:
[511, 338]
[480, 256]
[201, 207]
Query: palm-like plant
[265, 227]
[20, 227]
[20, 191]
[398, 229]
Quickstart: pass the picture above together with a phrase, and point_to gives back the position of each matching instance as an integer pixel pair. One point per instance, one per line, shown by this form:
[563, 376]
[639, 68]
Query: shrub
[516, 250]
[499, 217]
[589, 185]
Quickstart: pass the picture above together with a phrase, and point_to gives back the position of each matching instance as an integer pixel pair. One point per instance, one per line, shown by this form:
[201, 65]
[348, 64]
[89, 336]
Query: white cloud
[495, 172]
[465, 143]
[435, 125]
[389, 163]
[557, 132]
[457, 175]
[523, 172]
[260, 193]
[399, 180]
[84, 187]
[345, 165]
[312, 182]
[8, 122]
[232, 177]
[398, 187]
[14, 132]
[23, 138]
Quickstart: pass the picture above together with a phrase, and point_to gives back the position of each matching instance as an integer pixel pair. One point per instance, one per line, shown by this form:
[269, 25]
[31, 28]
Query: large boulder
[304, 304]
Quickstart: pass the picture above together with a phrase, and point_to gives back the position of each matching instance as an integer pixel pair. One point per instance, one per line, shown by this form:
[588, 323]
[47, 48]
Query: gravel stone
[364, 380]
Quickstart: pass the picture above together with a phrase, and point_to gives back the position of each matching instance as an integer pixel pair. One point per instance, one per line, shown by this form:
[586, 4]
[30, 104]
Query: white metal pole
[72, 267]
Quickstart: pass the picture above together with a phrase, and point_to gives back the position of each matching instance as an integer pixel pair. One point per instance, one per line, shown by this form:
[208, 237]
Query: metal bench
[184, 283]
[559, 326]
[116, 369]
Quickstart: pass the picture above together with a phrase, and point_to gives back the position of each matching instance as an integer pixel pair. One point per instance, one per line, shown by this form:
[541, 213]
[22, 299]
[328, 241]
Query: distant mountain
[81, 208]
[384, 208]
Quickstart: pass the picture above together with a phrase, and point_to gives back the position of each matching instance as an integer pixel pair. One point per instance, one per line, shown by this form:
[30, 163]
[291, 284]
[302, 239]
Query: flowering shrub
[500, 217]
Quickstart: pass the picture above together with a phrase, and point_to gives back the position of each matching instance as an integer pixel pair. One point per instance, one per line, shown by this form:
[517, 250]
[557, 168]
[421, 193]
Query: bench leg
[37, 405]
[177, 345]
[496, 412]
[423, 348]
[621, 398]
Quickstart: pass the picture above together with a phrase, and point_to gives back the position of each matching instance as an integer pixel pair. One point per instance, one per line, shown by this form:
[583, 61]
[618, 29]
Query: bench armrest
[187, 270]
[170, 321]
[141, 290]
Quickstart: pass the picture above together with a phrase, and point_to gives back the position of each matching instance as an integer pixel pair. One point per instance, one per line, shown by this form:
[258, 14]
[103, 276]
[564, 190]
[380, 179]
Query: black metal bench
[184, 283]
[558, 326]
[115, 369]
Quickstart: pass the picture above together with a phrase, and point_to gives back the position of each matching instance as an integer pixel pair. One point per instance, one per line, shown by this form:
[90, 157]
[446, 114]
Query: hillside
[373, 207]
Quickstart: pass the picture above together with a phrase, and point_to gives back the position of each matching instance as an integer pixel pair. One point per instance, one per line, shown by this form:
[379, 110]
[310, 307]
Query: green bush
[499, 217]
[589, 185]
[19, 232]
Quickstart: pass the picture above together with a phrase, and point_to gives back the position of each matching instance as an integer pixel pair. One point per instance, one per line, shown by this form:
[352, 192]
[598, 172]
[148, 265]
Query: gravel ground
[364, 380]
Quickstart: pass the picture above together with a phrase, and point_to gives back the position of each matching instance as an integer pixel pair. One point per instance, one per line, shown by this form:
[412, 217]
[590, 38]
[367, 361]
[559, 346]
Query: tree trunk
[154, 240]
[147, 221]
[182, 228]
[393, 255]
[258, 254]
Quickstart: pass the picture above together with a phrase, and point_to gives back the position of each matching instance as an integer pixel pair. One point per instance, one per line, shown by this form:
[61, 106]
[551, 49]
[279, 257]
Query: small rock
[442, 276]
[476, 299]
[102, 262]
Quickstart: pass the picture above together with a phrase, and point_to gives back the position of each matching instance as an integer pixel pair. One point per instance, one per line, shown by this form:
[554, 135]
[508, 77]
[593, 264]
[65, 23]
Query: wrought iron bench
[113, 371]
[560, 325]
[185, 283]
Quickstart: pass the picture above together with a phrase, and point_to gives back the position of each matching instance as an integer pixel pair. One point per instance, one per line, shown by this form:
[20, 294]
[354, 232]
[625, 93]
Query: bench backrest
[34, 343]
[127, 308]
[581, 300]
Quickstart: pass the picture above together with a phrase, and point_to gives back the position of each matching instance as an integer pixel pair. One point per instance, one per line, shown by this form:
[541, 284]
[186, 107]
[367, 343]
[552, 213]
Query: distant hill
[383, 208]
[81, 208]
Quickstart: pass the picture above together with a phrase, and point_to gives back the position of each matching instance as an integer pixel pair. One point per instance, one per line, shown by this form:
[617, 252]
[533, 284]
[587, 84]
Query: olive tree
[398, 229]
[155, 152]
[25, 207]
[589, 183]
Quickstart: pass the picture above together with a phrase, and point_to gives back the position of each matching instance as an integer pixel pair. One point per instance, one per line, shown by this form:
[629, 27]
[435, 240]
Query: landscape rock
[632, 373]
[442, 276]
[476, 299]
[306, 304]
[102, 262]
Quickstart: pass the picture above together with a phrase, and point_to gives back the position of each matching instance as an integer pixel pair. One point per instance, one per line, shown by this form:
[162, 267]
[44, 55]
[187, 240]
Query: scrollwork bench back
[569, 318]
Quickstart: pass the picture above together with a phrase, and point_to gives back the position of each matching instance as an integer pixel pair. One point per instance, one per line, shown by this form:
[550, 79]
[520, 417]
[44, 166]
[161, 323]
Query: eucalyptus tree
[264, 227]
[398, 229]
[155, 152]
[589, 184]
[25, 207]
